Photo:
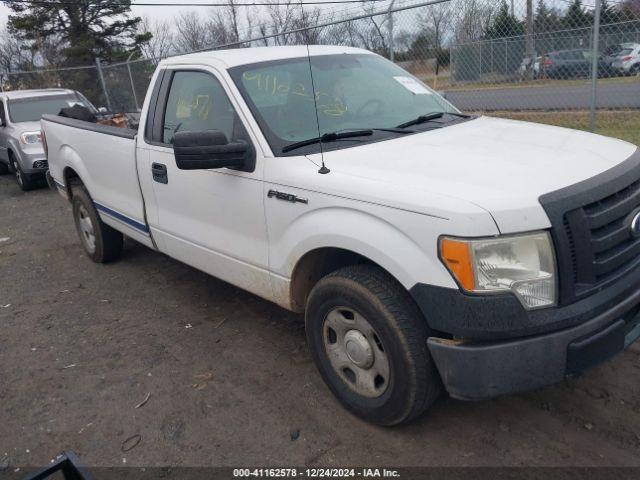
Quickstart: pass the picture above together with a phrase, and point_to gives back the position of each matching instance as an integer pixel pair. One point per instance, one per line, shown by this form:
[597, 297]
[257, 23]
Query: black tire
[414, 383]
[25, 181]
[107, 242]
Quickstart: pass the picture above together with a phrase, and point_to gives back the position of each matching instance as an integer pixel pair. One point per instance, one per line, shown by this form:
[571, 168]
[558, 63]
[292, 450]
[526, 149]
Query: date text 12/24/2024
[315, 473]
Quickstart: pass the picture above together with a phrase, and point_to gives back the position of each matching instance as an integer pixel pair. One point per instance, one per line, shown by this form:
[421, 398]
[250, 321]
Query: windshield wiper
[430, 117]
[327, 137]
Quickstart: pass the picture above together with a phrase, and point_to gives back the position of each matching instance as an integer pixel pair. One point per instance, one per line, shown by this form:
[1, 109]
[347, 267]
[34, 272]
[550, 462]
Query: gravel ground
[228, 377]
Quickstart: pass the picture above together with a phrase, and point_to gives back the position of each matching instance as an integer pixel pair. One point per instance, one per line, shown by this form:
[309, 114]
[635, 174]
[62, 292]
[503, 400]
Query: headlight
[29, 138]
[522, 264]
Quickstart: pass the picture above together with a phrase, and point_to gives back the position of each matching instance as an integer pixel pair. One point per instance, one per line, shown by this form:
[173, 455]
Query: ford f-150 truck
[427, 247]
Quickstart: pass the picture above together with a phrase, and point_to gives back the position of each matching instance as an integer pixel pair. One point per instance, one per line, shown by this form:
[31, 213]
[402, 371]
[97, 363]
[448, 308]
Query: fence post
[103, 84]
[529, 40]
[133, 85]
[390, 29]
[594, 65]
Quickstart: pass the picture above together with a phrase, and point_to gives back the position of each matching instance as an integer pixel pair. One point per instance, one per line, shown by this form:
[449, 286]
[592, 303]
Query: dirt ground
[228, 376]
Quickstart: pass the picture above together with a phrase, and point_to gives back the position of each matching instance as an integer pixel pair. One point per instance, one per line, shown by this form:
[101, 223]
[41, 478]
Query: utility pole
[530, 52]
[513, 9]
[594, 65]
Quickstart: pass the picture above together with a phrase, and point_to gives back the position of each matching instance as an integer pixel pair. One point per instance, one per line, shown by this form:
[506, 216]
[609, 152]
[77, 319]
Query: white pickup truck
[428, 248]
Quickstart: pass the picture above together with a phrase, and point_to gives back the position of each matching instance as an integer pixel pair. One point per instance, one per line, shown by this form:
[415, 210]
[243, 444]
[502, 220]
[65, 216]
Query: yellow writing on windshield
[270, 84]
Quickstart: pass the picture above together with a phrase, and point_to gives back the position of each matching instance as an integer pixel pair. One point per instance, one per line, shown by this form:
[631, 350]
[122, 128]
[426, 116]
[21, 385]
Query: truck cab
[427, 248]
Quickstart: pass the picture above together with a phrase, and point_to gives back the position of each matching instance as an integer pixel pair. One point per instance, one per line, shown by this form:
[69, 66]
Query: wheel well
[71, 178]
[317, 264]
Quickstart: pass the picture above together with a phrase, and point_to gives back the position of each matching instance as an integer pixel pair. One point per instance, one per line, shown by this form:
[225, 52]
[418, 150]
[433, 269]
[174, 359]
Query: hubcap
[355, 352]
[85, 226]
[18, 175]
[358, 349]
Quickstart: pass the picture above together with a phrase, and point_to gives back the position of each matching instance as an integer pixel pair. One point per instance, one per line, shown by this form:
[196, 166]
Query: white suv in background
[627, 61]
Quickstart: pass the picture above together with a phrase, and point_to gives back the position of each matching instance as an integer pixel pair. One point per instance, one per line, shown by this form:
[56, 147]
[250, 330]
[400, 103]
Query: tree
[86, 30]
[14, 55]
[472, 19]
[630, 9]
[162, 39]
[193, 32]
[546, 19]
[504, 24]
[576, 16]
[609, 14]
[437, 23]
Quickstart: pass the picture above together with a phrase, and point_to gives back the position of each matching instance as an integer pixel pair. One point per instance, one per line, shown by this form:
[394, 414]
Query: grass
[623, 124]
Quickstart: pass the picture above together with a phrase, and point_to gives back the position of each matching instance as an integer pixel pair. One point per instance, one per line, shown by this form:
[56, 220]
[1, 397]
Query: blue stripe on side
[124, 219]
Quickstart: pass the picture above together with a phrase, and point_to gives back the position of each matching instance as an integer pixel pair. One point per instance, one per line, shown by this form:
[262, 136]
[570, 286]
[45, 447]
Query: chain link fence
[484, 55]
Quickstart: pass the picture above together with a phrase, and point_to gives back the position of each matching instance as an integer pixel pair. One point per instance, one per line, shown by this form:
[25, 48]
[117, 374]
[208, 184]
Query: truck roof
[35, 93]
[243, 56]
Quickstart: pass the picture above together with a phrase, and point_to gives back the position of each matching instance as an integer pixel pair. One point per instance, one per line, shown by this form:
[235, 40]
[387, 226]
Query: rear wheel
[100, 242]
[369, 342]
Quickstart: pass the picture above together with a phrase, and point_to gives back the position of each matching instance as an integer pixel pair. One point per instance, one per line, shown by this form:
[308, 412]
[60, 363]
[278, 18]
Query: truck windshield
[352, 92]
[31, 109]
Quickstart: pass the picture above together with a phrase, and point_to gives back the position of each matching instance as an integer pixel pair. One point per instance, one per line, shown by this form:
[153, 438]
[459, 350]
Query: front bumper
[478, 370]
[33, 162]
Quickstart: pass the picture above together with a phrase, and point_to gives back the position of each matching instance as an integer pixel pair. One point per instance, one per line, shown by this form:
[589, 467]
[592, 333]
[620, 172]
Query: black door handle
[159, 173]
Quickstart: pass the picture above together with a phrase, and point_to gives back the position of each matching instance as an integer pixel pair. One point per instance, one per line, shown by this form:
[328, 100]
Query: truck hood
[502, 166]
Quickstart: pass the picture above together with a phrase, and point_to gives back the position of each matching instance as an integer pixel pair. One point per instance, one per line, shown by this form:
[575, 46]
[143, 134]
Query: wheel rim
[18, 175]
[85, 225]
[355, 352]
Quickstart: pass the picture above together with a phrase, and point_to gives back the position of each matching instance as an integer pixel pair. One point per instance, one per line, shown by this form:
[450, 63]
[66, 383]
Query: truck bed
[104, 157]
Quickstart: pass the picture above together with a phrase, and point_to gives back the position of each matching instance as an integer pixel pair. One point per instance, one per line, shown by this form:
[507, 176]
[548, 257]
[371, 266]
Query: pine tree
[576, 16]
[84, 30]
[608, 14]
[504, 24]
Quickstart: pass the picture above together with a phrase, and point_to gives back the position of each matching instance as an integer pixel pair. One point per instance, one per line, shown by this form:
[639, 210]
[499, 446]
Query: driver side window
[197, 102]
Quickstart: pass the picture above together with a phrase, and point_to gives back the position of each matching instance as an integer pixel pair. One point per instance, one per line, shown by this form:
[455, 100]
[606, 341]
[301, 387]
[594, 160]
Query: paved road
[552, 97]
[229, 377]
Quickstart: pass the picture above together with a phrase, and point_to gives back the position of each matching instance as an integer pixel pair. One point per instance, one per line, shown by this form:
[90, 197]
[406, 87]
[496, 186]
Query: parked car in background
[428, 248]
[607, 58]
[21, 149]
[627, 60]
[567, 64]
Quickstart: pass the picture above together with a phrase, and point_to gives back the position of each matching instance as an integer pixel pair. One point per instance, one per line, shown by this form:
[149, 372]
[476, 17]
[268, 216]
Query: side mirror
[102, 110]
[210, 149]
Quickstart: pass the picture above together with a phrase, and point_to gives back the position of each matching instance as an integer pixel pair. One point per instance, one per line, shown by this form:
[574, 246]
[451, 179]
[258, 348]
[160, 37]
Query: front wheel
[100, 242]
[369, 342]
[24, 180]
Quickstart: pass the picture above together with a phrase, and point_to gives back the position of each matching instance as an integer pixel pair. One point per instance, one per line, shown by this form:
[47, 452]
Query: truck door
[211, 219]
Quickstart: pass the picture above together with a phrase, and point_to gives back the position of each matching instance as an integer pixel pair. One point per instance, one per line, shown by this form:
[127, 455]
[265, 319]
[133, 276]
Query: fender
[363, 233]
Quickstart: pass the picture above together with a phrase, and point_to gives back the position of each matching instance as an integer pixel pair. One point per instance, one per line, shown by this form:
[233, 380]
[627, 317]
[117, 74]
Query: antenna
[323, 169]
